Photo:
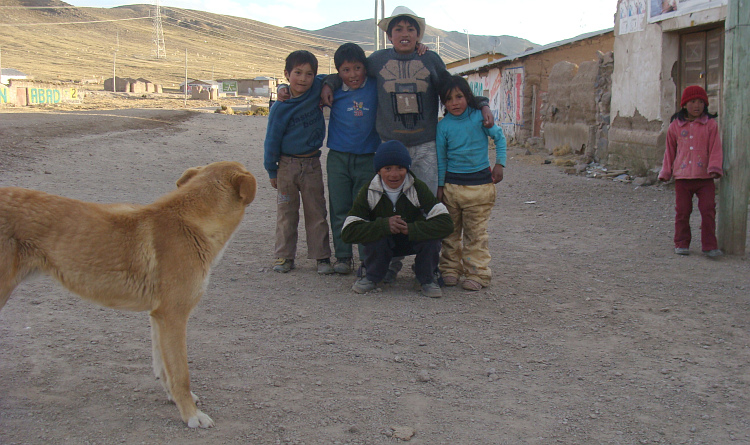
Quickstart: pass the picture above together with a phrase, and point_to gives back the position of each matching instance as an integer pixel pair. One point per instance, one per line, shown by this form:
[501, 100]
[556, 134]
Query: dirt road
[593, 331]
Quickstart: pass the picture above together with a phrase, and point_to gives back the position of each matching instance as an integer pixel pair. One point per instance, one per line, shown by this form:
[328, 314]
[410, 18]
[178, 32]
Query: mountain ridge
[51, 40]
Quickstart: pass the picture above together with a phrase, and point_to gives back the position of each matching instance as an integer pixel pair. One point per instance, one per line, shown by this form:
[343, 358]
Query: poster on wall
[506, 99]
[664, 9]
[632, 14]
[477, 84]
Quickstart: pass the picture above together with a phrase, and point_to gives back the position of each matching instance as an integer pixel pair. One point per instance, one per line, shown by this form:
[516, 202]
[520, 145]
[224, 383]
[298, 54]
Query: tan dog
[155, 258]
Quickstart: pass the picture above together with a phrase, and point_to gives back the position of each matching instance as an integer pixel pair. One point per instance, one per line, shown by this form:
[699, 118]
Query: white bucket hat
[401, 11]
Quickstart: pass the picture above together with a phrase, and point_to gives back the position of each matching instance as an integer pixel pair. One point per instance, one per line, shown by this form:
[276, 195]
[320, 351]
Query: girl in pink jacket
[694, 158]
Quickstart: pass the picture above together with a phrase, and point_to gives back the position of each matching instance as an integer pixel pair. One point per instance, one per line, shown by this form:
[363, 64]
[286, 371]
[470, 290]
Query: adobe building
[518, 87]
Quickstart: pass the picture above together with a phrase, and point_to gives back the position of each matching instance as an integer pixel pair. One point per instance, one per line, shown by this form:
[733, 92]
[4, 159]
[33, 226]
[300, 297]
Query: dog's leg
[10, 276]
[158, 364]
[169, 330]
[5, 290]
[156, 358]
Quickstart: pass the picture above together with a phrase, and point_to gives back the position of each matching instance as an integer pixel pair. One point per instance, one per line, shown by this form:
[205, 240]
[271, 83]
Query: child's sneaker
[472, 285]
[283, 265]
[432, 290]
[343, 266]
[450, 280]
[324, 267]
[363, 285]
[714, 253]
[682, 251]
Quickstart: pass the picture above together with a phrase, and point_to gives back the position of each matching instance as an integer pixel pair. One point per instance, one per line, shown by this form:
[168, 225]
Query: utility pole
[186, 85]
[468, 45]
[114, 73]
[382, 33]
[377, 30]
[735, 185]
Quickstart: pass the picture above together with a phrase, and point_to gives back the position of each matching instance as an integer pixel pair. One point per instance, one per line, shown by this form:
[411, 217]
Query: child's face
[353, 74]
[300, 79]
[404, 37]
[393, 175]
[456, 102]
[695, 108]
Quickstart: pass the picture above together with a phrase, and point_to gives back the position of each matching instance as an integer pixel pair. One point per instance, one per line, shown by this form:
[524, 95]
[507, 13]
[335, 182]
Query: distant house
[259, 86]
[6, 74]
[202, 84]
[130, 85]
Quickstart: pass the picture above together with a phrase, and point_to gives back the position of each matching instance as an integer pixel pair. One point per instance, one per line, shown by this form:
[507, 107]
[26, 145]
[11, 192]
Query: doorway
[702, 63]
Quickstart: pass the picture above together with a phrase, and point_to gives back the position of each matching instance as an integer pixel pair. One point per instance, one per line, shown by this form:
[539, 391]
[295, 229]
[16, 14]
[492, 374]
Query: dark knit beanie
[694, 92]
[391, 153]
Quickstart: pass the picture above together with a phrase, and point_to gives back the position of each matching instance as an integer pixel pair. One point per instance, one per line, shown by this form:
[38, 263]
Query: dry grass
[218, 46]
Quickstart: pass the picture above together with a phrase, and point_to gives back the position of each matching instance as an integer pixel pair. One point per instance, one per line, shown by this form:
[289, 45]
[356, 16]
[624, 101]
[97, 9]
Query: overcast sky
[540, 21]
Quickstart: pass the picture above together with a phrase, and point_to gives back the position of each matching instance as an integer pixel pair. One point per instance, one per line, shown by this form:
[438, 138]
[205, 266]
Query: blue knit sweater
[351, 128]
[296, 127]
[462, 145]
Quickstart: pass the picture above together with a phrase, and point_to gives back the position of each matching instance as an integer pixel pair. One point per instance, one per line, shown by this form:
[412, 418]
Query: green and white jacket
[367, 221]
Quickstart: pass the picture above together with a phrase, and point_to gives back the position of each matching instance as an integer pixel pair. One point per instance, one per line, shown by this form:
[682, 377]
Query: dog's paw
[196, 399]
[200, 420]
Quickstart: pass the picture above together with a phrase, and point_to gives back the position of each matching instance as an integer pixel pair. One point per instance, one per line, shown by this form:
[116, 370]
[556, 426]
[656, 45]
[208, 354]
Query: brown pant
[301, 178]
[466, 251]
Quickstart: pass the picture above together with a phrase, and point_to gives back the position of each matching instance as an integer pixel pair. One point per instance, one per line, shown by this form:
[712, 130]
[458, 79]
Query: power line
[74, 23]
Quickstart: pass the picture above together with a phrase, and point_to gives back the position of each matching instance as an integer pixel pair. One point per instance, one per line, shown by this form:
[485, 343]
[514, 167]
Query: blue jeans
[378, 255]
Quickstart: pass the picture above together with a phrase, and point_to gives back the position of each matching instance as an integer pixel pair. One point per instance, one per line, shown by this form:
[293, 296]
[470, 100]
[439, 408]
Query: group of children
[385, 196]
[428, 189]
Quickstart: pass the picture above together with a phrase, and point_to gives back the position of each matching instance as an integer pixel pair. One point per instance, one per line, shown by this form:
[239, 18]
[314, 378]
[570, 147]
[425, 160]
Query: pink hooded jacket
[693, 150]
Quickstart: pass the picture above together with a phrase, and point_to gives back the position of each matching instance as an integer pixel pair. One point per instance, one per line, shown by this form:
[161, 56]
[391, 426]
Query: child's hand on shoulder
[488, 119]
[326, 96]
[273, 182]
[283, 93]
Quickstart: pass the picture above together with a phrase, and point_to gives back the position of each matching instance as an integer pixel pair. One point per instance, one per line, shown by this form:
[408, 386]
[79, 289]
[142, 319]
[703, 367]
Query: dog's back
[99, 251]
[122, 255]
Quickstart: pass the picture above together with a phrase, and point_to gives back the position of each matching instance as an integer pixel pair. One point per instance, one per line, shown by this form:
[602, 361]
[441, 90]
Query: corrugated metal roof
[11, 72]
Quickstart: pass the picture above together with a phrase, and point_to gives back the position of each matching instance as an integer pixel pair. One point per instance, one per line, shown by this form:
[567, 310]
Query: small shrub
[261, 111]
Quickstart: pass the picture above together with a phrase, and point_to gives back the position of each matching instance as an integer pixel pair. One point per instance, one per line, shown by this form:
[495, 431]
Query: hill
[54, 41]
[452, 44]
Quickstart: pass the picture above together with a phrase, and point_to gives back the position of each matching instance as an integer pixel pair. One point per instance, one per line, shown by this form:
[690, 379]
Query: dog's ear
[189, 173]
[245, 185]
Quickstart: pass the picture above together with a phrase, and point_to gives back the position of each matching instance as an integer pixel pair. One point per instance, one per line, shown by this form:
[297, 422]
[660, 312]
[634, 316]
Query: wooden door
[702, 63]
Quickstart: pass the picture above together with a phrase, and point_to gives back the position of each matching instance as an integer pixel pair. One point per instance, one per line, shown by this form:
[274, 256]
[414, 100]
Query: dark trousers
[347, 174]
[378, 255]
[706, 192]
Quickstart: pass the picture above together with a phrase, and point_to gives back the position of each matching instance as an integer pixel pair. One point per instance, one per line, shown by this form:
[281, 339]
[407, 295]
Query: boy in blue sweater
[294, 135]
[352, 141]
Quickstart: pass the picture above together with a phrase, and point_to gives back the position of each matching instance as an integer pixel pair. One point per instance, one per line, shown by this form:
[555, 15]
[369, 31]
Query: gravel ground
[592, 331]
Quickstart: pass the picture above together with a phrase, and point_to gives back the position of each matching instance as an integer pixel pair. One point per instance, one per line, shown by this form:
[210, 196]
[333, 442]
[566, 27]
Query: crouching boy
[396, 214]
